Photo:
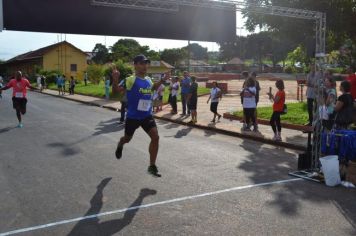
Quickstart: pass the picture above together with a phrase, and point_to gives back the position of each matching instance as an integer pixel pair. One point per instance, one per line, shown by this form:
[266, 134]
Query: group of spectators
[250, 95]
[336, 112]
[61, 84]
[41, 82]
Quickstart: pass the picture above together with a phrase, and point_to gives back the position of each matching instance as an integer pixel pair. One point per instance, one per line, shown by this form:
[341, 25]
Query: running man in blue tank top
[139, 89]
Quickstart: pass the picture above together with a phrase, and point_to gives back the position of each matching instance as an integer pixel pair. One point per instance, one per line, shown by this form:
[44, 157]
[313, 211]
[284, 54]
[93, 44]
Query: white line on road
[145, 206]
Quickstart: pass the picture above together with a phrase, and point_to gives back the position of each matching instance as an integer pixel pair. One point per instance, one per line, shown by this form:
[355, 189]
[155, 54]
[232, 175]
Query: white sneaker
[279, 138]
[275, 137]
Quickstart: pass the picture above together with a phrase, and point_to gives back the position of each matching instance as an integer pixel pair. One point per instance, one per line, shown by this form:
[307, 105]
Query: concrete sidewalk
[291, 138]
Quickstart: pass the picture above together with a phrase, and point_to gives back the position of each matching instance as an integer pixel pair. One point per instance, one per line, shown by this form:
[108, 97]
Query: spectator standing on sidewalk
[174, 87]
[38, 81]
[63, 85]
[43, 83]
[159, 96]
[107, 87]
[344, 107]
[71, 85]
[258, 89]
[85, 78]
[249, 104]
[278, 107]
[185, 84]
[312, 82]
[215, 97]
[327, 112]
[59, 84]
[193, 100]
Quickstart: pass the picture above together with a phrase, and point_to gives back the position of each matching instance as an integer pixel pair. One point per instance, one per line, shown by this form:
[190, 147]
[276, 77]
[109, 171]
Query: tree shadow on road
[93, 225]
[267, 163]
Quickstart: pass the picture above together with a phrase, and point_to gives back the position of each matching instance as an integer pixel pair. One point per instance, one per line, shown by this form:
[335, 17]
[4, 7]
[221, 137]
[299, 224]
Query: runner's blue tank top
[139, 97]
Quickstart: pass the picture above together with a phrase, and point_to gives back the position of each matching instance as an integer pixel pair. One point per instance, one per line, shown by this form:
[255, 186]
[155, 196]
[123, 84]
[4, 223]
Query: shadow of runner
[4, 130]
[93, 226]
[110, 126]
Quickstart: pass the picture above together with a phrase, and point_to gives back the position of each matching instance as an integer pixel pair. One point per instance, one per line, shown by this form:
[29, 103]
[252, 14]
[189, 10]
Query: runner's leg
[18, 114]
[130, 128]
[154, 145]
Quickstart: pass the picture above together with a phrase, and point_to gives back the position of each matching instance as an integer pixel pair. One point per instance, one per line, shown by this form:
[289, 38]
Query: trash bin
[330, 168]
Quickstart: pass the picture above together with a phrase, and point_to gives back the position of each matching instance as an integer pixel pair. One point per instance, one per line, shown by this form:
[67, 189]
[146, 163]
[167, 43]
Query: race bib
[144, 105]
[19, 95]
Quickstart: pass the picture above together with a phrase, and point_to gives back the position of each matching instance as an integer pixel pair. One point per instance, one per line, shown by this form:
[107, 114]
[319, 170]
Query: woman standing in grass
[330, 101]
[278, 107]
[249, 104]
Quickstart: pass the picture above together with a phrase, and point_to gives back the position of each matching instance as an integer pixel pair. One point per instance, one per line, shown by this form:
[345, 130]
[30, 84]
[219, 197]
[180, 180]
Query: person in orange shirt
[19, 87]
[278, 109]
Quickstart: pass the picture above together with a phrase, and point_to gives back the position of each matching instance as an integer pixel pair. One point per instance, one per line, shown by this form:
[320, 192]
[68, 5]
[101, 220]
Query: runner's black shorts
[19, 103]
[214, 107]
[131, 125]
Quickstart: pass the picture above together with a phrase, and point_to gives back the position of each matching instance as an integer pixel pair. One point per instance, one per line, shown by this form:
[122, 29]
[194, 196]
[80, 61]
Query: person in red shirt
[19, 87]
[352, 79]
[278, 109]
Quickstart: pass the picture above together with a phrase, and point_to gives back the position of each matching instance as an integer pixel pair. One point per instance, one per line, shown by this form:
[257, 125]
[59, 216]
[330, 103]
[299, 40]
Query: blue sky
[13, 43]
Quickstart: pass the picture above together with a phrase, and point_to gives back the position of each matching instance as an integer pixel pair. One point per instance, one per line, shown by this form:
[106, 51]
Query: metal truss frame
[319, 19]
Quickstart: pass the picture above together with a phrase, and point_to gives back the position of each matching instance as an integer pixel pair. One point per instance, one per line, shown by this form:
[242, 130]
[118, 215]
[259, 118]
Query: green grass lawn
[99, 91]
[297, 113]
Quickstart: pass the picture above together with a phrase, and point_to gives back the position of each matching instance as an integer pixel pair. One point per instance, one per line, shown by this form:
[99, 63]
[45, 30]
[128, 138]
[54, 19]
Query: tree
[127, 49]
[257, 46]
[101, 54]
[298, 55]
[174, 56]
[341, 15]
[197, 52]
[125, 69]
[236, 48]
[153, 55]
[95, 73]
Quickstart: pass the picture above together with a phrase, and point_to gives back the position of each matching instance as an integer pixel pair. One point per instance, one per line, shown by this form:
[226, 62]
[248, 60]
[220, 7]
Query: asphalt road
[61, 167]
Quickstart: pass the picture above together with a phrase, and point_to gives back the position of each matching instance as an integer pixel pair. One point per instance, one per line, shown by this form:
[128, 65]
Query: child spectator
[158, 97]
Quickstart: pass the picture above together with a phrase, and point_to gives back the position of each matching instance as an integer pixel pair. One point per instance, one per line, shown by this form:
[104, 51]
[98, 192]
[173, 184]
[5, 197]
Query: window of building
[73, 67]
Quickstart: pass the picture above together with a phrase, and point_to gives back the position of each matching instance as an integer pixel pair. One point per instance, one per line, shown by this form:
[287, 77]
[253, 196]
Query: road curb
[302, 128]
[238, 135]
[217, 130]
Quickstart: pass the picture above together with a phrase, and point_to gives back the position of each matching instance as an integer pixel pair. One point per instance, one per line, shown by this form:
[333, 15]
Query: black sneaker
[118, 152]
[153, 171]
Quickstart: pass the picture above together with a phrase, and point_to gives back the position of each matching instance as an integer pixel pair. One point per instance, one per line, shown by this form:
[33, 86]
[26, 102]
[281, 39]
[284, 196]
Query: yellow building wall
[62, 57]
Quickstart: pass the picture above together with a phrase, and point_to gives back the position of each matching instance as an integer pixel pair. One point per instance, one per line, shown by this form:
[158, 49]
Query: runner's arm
[31, 87]
[5, 88]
